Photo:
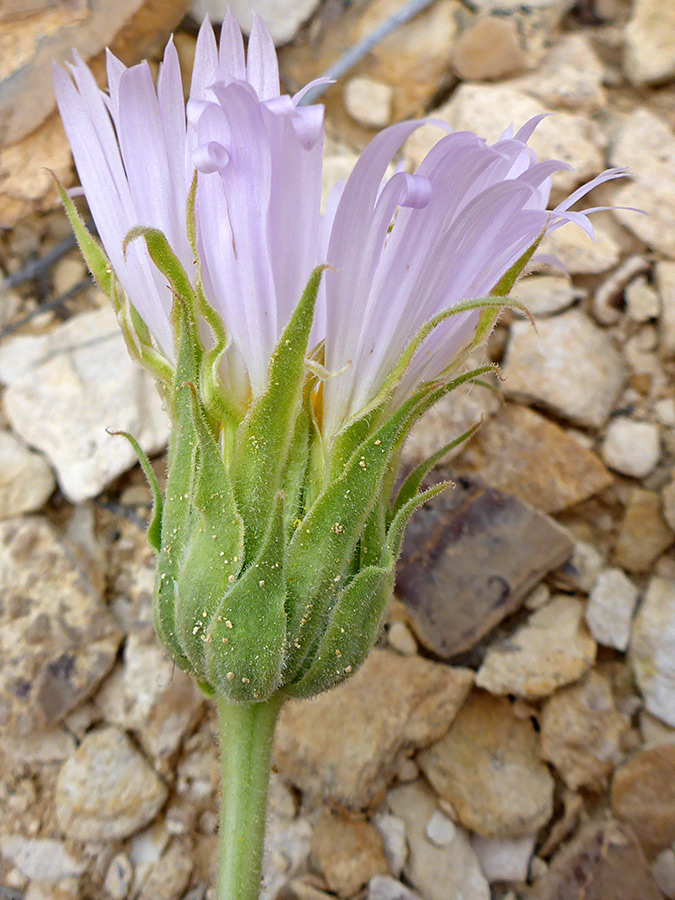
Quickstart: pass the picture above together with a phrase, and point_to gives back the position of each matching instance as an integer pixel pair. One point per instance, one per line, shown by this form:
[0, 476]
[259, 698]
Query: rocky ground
[513, 735]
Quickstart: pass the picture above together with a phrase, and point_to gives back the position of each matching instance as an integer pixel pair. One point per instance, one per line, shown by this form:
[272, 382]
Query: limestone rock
[504, 859]
[436, 872]
[284, 18]
[570, 76]
[56, 636]
[643, 534]
[469, 559]
[26, 186]
[643, 795]
[488, 767]
[29, 43]
[630, 447]
[552, 649]
[382, 887]
[650, 42]
[349, 853]
[579, 253]
[668, 497]
[369, 101]
[67, 387]
[42, 859]
[642, 301]
[392, 832]
[545, 295]
[344, 744]
[610, 609]
[106, 791]
[148, 695]
[603, 861]
[489, 48]
[569, 365]
[581, 731]
[663, 870]
[449, 418]
[566, 136]
[413, 60]
[652, 649]
[664, 273]
[522, 453]
[646, 146]
[26, 481]
[169, 877]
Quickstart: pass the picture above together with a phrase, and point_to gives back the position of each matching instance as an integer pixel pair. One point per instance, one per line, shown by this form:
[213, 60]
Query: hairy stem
[246, 737]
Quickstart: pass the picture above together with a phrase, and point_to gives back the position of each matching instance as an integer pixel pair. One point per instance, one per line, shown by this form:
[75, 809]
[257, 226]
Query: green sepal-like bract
[277, 551]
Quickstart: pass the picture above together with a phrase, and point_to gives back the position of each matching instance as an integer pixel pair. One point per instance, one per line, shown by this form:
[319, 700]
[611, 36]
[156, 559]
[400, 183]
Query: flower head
[296, 350]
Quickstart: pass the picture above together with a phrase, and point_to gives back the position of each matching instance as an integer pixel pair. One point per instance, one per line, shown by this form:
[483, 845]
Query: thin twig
[356, 53]
[45, 307]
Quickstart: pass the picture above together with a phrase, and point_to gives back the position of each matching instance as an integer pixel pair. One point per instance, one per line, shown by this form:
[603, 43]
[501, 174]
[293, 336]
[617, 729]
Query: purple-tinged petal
[232, 62]
[262, 68]
[205, 69]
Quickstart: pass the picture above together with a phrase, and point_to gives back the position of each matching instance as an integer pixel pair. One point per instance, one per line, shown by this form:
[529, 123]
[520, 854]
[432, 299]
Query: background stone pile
[513, 736]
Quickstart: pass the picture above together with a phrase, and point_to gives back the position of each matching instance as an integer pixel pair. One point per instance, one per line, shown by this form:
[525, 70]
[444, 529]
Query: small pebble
[631, 448]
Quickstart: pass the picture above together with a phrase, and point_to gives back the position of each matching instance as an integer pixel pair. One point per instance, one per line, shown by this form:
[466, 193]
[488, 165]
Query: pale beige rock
[668, 498]
[118, 877]
[368, 101]
[604, 861]
[579, 254]
[106, 790]
[568, 365]
[521, 452]
[570, 76]
[54, 628]
[148, 695]
[29, 43]
[643, 796]
[643, 534]
[67, 387]
[414, 59]
[581, 732]
[650, 42]
[489, 48]
[610, 609]
[436, 872]
[551, 649]
[645, 145]
[170, 876]
[42, 859]
[663, 871]
[26, 481]
[664, 273]
[630, 447]
[349, 853]
[567, 136]
[544, 295]
[642, 301]
[448, 419]
[652, 649]
[504, 859]
[487, 766]
[345, 744]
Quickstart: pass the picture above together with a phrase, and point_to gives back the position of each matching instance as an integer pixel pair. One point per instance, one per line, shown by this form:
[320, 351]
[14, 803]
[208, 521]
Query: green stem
[246, 736]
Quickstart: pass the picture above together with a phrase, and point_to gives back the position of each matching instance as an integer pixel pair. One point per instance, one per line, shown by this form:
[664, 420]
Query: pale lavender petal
[232, 61]
[205, 70]
[262, 68]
